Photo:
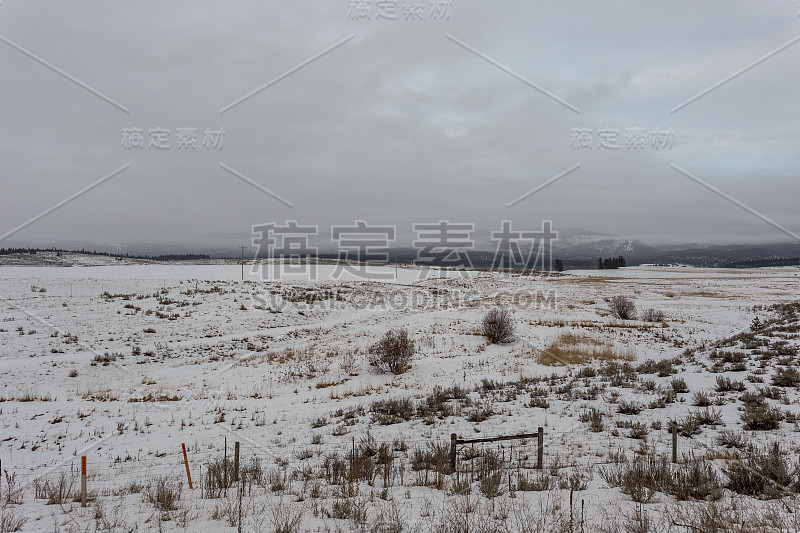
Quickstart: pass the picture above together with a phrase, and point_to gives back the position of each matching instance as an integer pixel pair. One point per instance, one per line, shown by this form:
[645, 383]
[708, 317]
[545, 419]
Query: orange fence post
[83, 481]
[186, 462]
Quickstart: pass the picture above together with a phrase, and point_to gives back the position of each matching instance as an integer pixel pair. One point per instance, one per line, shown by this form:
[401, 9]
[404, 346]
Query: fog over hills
[576, 247]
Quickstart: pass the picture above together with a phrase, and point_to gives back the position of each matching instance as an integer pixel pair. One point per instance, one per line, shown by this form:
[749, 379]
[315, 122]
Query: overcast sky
[404, 121]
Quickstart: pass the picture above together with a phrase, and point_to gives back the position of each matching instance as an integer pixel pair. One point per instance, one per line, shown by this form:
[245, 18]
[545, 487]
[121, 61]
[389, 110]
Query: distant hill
[576, 247]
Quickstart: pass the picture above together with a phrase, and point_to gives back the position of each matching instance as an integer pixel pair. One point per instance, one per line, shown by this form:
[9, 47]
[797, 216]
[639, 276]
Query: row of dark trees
[168, 257]
[610, 263]
[9, 251]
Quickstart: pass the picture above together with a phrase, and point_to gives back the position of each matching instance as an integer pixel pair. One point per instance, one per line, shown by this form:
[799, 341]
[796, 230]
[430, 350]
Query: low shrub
[164, 492]
[679, 385]
[786, 377]
[761, 417]
[762, 472]
[653, 315]
[622, 307]
[392, 411]
[594, 417]
[394, 352]
[627, 407]
[497, 326]
[725, 384]
[644, 476]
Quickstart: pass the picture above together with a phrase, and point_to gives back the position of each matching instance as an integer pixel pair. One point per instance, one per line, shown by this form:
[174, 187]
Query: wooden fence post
[236, 461]
[453, 438]
[186, 462]
[540, 449]
[674, 442]
[241, 493]
[83, 481]
[571, 491]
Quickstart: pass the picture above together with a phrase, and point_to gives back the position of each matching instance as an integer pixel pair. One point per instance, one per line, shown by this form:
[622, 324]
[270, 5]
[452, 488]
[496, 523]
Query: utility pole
[243, 247]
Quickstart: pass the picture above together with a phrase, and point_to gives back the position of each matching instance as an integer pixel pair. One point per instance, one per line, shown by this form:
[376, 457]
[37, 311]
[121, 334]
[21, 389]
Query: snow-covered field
[124, 364]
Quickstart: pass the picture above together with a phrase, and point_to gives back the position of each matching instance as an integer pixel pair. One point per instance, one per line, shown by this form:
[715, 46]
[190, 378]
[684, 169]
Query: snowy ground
[125, 363]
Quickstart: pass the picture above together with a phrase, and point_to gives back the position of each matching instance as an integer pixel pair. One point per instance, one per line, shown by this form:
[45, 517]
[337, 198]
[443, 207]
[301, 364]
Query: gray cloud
[398, 125]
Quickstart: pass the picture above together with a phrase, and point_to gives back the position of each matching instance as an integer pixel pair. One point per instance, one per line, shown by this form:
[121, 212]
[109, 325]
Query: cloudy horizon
[459, 112]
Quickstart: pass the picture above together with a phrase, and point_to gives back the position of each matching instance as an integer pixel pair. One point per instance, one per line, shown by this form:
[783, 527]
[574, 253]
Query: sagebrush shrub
[394, 352]
[653, 315]
[622, 307]
[497, 326]
[763, 472]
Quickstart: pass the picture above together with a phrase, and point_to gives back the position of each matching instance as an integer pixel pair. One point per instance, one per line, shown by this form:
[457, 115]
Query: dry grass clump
[642, 478]
[577, 349]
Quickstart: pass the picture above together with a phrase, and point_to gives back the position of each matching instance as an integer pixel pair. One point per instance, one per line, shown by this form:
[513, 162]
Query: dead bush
[164, 492]
[653, 315]
[12, 494]
[726, 384]
[644, 476]
[285, 518]
[679, 385]
[538, 482]
[594, 417]
[392, 411]
[763, 473]
[622, 307]
[11, 520]
[663, 368]
[492, 485]
[466, 514]
[761, 416]
[497, 326]
[701, 399]
[786, 377]
[731, 439]
[626, 407]
[394, 352]
[435, 458]
[57, 490]
[217, 477]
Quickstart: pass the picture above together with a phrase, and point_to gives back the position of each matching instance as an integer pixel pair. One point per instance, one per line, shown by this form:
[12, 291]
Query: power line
[243, 247]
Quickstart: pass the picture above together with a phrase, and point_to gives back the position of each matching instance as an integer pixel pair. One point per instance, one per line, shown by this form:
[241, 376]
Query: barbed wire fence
[556, 459]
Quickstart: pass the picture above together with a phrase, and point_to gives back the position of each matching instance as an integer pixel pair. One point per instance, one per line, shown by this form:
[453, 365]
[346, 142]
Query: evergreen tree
[599, 263]
[559, 265]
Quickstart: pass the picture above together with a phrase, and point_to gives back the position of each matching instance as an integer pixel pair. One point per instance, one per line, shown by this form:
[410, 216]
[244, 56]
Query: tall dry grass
[577, 348]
